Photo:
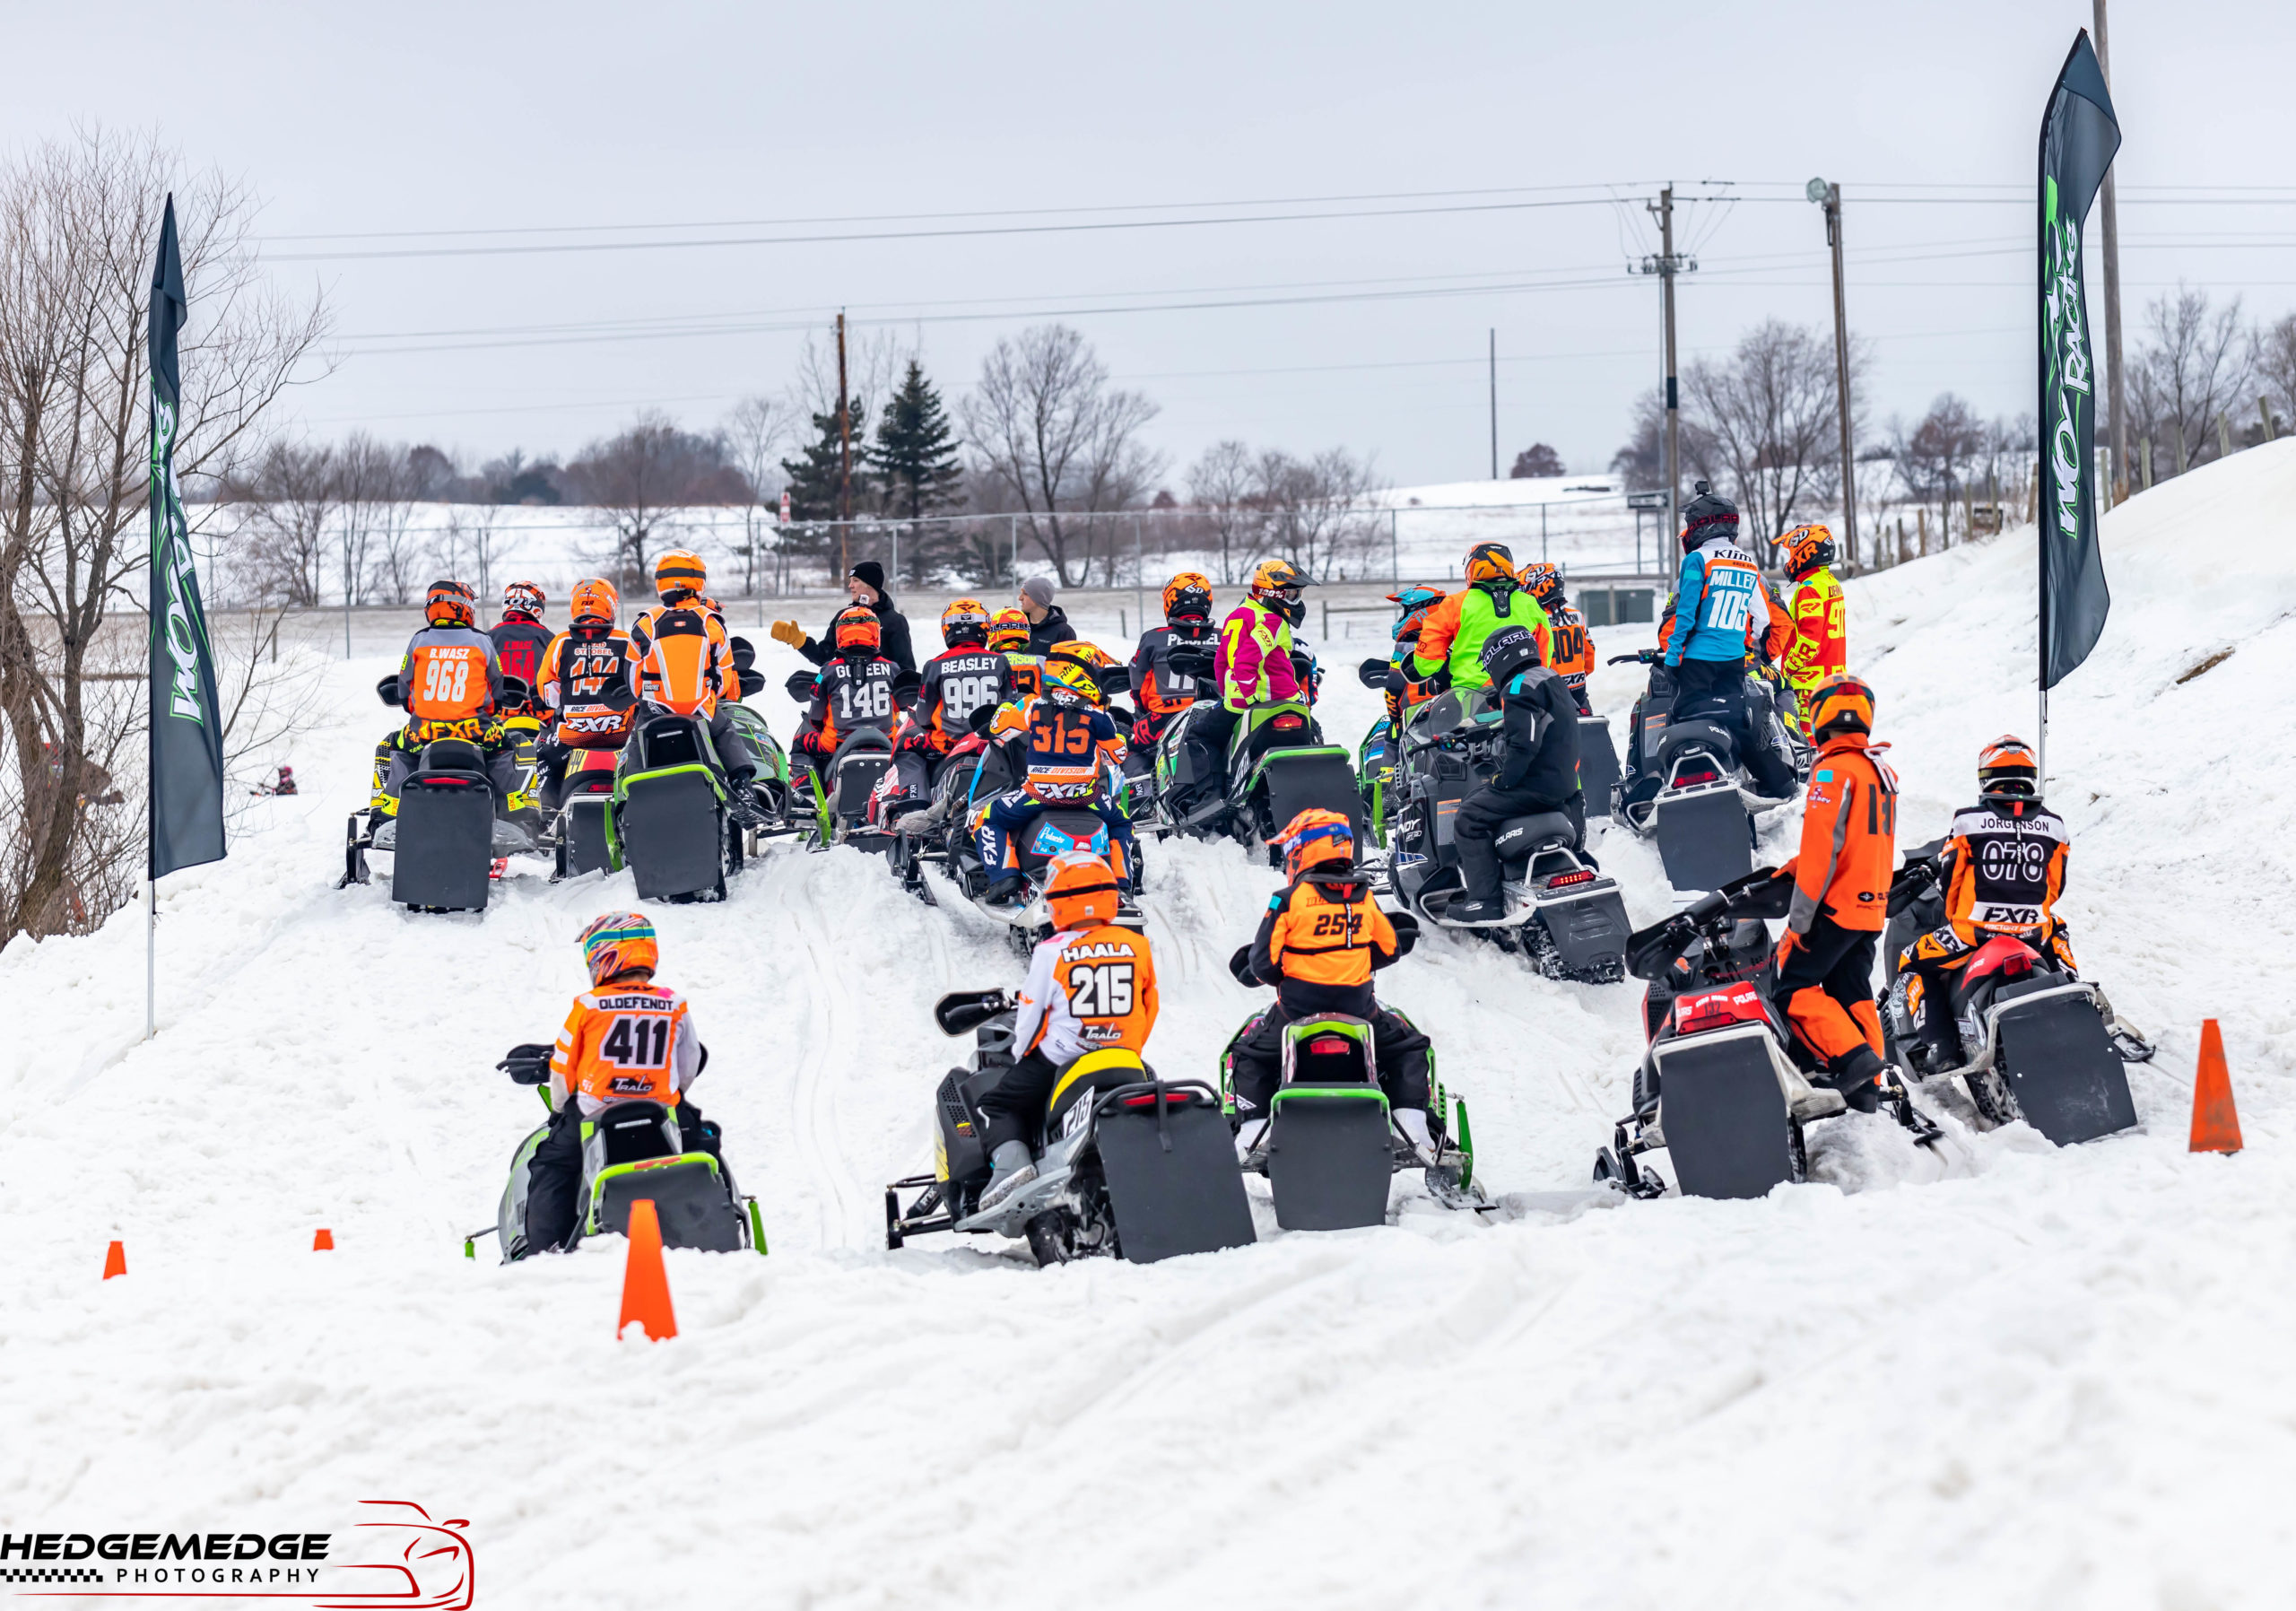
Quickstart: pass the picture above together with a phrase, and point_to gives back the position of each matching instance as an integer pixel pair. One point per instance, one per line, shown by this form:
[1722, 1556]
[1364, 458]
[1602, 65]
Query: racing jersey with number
[851, 693]
[1820, 645]
[1161, 689]
[1572, 651]
[449, 674]
[519, 641]
[1069, 740]
[625, 1042]
[589, 680]
[957, 683]
[1722, 608]
[2002, 874]
[1088, 989]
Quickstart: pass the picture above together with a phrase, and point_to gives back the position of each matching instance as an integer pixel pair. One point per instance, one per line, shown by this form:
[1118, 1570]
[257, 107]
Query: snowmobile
[2025, 1038]
[450, 829]
[834, 794]
[1686, 784]
[1128, 1165]
[1725, 1089]
[629, 1150]
[1598, 768]
[1562, 913]
[670, 822]
[1331, 1145]
[1278, 765]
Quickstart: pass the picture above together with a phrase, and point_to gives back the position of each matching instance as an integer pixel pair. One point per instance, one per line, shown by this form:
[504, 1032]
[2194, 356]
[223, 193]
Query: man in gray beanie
[1048, 622]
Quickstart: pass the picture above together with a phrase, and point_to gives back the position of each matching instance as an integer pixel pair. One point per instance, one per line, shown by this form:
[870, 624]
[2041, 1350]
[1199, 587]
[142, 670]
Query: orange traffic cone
[116, 1260]
[2216, 1123]
[645, 1284]
[324, 1241]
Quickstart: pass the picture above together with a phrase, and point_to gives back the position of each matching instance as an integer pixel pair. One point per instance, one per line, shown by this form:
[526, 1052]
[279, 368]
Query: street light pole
[2112, 294]
[1667, 266]
[1829, 196]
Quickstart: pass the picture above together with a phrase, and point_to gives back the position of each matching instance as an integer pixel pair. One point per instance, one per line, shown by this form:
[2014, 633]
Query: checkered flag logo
[50, 1574]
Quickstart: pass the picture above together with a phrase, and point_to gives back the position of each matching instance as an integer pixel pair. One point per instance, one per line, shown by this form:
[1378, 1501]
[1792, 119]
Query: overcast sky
[587, 125]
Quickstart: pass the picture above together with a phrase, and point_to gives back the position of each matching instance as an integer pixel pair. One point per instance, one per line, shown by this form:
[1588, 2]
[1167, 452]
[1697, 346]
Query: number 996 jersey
[1088, 990]
[629, 1042]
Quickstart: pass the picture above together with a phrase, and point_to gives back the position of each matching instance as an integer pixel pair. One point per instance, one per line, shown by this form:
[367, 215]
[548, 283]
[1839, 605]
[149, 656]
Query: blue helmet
[1412, 605]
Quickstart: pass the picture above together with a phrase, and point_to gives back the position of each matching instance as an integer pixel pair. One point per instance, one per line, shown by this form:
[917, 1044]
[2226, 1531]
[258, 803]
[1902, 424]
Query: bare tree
[1319, 510]
[288, 504]
[1933, 459]
[2193, 368]
[383, 551]
[754, 433]
[2275, 371]
[1048, 429]
[79, 226]
[645, 477]
[1220, 483]
[1769, 413]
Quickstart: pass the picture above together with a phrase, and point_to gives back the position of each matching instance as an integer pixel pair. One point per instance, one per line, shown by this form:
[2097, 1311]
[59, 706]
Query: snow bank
[2006, 1375]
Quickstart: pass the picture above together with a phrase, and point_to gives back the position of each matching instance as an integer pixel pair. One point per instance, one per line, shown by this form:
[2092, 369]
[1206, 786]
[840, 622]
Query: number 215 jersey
[1087, 990]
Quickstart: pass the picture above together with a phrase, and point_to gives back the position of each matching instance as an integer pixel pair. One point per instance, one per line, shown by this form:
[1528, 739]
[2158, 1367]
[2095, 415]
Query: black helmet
[1507, 651]
[1707, 514]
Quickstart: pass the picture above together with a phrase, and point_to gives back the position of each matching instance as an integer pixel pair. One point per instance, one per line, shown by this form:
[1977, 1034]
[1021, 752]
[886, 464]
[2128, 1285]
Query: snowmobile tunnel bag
[1329, 1157]
[2059, 1063]
[1597, 763]
[691, 1201]
[1171, 1173]
[1704, 836]
[446, 839]
[670, 830]
[1723, 1114]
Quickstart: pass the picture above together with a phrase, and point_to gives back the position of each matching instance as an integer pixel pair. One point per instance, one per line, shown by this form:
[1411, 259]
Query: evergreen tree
[916, 452]
[814, 472]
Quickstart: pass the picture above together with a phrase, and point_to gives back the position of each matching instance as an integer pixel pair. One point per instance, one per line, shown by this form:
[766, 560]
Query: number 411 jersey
[630, 1042]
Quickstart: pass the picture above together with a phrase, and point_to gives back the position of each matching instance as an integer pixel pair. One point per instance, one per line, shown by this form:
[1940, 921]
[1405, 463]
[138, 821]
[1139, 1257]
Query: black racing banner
[2079, 135]
[186, 770]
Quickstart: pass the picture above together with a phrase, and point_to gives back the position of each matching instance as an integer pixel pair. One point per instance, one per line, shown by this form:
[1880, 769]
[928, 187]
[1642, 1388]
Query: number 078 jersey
[625, 1043]
[1088, 989]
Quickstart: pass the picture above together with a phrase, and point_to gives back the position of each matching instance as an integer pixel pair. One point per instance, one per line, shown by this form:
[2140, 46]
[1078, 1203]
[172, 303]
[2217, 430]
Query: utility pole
[1667, 266]
[1494, 402]
[844, 454]
[1829, 196]
[2112, 296]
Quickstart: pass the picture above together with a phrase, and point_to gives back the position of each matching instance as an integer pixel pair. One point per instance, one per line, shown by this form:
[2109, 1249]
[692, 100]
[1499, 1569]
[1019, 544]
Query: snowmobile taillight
[1684, 779]
[1328, 1046]
[1285, 724]
[1172, 1099]
[1563, 881]
[1716, 1009]
[2017, 967]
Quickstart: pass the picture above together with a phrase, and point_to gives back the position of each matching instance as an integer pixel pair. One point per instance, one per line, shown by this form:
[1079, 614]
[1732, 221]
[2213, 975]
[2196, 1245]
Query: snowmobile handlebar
[800, 685]
[1640, 657]
[963, 1010]
[528, 1064]
[1761, 894]
[1913, 881]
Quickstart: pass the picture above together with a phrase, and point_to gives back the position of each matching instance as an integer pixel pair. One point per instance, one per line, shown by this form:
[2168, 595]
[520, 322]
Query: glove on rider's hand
[1788, 944]
[1240, 966]
[1143, 736]
[789, 632]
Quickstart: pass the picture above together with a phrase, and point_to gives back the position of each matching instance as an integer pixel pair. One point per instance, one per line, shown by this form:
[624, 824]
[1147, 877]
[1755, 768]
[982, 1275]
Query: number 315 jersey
[627, 1042]
[1087, 990]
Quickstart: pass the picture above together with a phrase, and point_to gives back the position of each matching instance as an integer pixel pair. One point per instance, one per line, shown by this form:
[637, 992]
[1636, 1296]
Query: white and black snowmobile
[1277, 766]
[1128, 1165]
[1724, 1089]
[1687, 785]
[833, 796]
[629, 1150]
[1564, 915]
[2024, 1037]
[452, 827]
[1331, 1144]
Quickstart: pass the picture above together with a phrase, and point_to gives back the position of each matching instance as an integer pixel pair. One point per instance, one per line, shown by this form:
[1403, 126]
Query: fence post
[1139, 574]
[1016, 520]
[1394, 547]
[1326, 623]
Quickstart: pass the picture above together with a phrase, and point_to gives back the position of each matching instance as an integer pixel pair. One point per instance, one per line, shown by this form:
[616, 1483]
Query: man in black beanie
[866, 585]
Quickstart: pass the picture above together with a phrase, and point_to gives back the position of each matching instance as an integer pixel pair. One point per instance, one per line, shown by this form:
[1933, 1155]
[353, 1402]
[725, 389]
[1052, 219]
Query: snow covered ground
[2006, 1375]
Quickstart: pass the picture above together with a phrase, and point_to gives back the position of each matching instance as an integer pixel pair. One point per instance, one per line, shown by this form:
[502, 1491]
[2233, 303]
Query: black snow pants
[1402, 1051]
[1481, 816]
[555, 1172]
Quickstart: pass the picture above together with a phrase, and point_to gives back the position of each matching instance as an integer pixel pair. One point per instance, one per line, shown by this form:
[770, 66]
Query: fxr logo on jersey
[395, 1554]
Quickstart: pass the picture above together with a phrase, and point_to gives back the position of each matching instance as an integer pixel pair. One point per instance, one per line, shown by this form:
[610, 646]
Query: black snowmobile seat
[452, 755]
[633, 1131]
[1697, 730]
[671, 740]
[1520, 836]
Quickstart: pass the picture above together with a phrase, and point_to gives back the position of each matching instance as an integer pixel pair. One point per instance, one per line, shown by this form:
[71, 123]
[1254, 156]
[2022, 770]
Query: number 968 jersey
[1087, 990]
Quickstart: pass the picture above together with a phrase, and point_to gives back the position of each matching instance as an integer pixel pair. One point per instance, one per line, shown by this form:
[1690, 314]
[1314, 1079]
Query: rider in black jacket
[1538, 767]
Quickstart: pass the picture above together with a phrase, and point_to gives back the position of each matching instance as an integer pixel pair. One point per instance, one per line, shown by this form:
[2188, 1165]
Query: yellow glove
[790, 633]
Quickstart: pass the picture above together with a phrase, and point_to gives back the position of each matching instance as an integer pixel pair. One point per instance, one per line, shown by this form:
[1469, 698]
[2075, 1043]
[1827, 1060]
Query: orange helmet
[451, 604]
[618, 942]
[1314, 837]
[1491, 562]
[1542, 581]
[1842, 703]
[2008, 773]
[679, 571]
[524, 596]
[965, 622]
[1081, 889]
[595, 600]
[1188, 597]
[1807, 547]
[1008, 629]
[1276, 576]
[857, 627]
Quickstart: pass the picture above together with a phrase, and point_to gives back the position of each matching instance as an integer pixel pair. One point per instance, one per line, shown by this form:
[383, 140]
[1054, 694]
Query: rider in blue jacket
[1720, 608]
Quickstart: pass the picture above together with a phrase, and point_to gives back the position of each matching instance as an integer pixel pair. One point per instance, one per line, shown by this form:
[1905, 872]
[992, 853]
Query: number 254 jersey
[625, 1043]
